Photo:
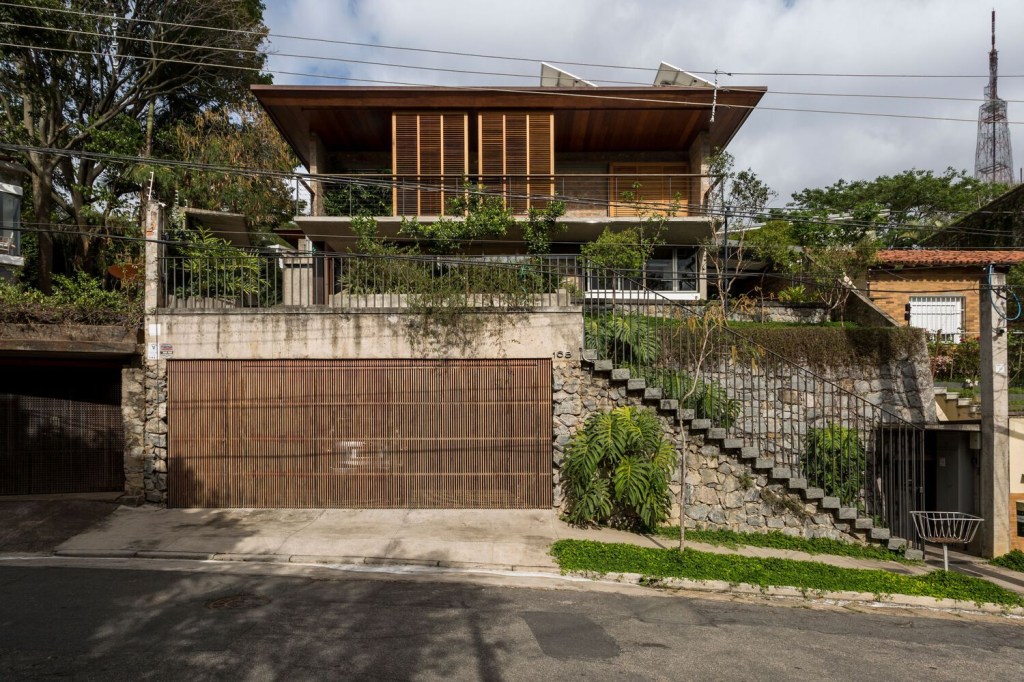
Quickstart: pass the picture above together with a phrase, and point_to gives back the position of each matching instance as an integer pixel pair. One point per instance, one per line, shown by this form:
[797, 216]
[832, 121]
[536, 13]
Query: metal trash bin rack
[945, 528]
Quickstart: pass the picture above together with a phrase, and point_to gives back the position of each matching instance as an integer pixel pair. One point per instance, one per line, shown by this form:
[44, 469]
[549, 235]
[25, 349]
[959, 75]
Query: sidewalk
[977, 567]
[494, 539]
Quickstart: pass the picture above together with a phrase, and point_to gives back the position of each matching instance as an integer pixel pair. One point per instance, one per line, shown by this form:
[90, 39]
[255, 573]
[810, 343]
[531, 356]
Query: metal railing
[356, 281]
[869, 456]
[584, 194]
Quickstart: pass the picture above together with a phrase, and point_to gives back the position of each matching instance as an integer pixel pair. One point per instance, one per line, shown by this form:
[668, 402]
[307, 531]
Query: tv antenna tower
[993, 159]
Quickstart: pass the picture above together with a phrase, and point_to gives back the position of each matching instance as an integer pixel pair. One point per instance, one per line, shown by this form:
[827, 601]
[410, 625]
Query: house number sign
[562, 354]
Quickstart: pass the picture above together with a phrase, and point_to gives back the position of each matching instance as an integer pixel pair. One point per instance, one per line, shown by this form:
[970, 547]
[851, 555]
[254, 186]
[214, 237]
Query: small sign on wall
[152, 351]
[166, 350]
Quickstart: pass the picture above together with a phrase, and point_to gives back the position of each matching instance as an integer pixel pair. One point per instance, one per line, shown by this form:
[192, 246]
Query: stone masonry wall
[155, 432]
[133, 411]
[721, 492]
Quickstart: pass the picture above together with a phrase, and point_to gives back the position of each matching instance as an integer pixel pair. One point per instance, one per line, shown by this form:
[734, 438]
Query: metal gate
[359, 433]
[61, 429]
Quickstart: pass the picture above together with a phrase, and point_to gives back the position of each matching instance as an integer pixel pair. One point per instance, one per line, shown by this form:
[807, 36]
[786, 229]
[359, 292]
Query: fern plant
[618, 470]
[834, 460]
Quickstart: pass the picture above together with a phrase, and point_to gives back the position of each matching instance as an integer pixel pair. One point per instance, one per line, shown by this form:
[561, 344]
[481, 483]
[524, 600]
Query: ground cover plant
[777, 540]
[601, 557]
[1013, 560]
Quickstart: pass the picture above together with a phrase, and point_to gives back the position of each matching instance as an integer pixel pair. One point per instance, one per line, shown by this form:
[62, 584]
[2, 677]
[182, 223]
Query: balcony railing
[680, 195]
[351, 281]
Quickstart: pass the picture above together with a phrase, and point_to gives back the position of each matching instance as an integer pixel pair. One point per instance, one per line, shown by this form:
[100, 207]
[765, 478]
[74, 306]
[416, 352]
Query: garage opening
[360, 433]
[61, 429]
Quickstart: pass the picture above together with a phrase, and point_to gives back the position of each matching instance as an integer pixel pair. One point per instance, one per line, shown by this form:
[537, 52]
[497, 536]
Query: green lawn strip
[601, 557]
[776, 540]
[1013, 561]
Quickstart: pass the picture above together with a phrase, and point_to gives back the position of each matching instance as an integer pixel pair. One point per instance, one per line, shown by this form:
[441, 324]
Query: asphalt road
[172, 624]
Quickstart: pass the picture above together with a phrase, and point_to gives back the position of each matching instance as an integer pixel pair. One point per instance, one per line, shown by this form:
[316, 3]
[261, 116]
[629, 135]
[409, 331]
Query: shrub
[834, 460]
[618, 469]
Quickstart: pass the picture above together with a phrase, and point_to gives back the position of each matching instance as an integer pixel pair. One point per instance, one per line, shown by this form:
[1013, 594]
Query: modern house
[934, 289]
[10, 218]
[613, 155]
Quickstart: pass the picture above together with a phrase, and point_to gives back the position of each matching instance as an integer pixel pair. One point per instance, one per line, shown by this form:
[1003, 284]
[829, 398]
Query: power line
[733, 72]
[580, 93]
[234, 50]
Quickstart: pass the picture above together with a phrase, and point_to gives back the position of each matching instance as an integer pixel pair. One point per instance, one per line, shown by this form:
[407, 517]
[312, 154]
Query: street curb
[298, 559]
[723, 587]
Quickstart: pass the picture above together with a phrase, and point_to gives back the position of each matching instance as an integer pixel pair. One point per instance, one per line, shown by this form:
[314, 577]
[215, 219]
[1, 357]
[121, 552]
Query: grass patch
[600, 557]
[776, 540]
[1013, 560]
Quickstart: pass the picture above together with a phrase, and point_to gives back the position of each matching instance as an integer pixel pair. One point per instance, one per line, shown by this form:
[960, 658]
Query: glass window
[10, 222]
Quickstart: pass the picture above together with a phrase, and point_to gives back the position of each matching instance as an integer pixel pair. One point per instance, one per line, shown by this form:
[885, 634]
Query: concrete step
[847, 513]
[750, 452]
[669, 405]
[716, 433]
[636, 384]
[603, 365]
[764, 463]
[652, 393]
[813, 493]
[863, 523]
[879, 533]
[897, 544]
[914, 554]
[732, 443]
[620, 374]
[798, 484]
[700, 424]
[784, 473]
[830, 503]
[589, 355]
[687, 414]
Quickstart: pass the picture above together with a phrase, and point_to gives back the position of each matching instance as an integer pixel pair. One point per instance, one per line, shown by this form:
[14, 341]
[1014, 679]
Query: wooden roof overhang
[662, 118]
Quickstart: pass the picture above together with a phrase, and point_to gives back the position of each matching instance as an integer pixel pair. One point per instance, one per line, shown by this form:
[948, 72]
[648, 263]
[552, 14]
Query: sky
[944, 44]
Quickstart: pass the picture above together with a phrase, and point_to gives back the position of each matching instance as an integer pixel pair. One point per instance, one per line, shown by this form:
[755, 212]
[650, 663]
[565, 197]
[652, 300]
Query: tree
[239, 136]
[101, 76]
[897, 210]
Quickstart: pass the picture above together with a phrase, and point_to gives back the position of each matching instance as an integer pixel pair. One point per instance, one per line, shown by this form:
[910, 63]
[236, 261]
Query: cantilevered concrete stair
[761, 464]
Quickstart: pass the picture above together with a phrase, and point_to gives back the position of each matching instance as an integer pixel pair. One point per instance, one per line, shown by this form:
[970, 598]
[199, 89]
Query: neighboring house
[998, 224]
[934, 289]
[10, 219]
[404, 152]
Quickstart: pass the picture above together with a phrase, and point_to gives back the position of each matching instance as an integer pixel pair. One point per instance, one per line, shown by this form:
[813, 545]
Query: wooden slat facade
[517, 156]
[649, 187]
[360, 433]
[430, 160]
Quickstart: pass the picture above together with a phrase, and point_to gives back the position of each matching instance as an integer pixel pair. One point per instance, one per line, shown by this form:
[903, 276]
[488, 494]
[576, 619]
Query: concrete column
[154, 250]
[317, 165]
[700, 151]
[995, 424]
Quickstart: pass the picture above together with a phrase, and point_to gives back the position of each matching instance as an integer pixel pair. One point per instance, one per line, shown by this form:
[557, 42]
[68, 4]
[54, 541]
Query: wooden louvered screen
[360, 433]
[517, 157]
[651, 189]
[430, 161]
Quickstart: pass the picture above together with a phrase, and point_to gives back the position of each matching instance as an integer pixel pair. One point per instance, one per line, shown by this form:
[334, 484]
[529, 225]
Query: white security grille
[940, 315]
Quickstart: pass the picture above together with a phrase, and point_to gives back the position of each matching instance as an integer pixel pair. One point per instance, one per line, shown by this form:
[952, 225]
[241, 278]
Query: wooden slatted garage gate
[359, 433]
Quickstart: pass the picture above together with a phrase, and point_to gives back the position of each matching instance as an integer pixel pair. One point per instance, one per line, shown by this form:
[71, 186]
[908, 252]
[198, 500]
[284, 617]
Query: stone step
[652, 393]
[847, 513]
[914, 555]
[879, 533]
[750, 452]
[764, 463]
[669, 405]
[798, 483]
[864, 523]
[687, 414]
[700, 424]
[716, 433]
[620, 374]
[636, 384]
[813, 493]
[603, 365]
[589, 355]
[732, 443]
[897, 544]
[782, 473]
[830, 503]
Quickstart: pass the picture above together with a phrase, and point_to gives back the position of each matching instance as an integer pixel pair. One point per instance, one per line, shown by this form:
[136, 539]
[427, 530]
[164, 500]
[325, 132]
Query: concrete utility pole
[995, 425]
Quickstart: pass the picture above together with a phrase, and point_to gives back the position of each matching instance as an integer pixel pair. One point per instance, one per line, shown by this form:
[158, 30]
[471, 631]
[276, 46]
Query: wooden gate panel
[368, 433]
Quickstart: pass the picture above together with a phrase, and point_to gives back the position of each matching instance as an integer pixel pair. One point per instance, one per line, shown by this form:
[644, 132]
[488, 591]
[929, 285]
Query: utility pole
[995, 425]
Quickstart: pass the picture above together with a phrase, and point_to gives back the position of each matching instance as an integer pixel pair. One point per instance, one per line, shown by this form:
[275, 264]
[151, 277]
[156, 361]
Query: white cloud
[790, 150]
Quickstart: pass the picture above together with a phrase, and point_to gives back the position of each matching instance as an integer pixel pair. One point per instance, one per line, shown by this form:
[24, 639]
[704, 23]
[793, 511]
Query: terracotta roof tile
[937, 258]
